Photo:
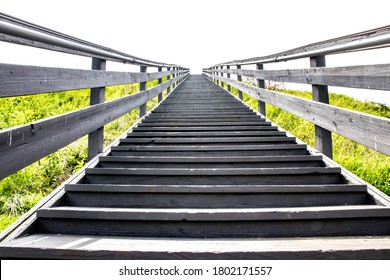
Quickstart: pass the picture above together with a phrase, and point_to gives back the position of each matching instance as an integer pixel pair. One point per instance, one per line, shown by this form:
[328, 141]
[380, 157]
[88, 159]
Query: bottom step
[91, 247]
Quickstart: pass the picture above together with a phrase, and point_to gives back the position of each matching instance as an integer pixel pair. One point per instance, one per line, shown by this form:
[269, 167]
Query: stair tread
[215, 189]
[207, 214]
[212, 158]
[215, 171]
[103, 247]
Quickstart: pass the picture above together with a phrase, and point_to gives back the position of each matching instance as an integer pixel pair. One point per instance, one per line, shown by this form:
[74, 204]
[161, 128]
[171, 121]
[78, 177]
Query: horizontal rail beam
[18, 80]
[374, 38]
[369, 130]
[23, 145]
[17, 31]
[360, 76]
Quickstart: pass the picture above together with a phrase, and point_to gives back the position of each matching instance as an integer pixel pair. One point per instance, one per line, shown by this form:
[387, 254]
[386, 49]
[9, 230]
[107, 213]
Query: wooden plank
[142, 87]
[221, 159]
[74, 247]
[17, 31]
[213, 200]
[200, 124]
[191, 147]
[358, 76]
[17, 80]
[207, 134]
[200, 153]
[214, 171]
[357, 226]
[261, 84]
[206, 128]
[200, 214]
[97, 96]
[307, 50]
[320, 94]
[136, 188]
[207, 141]
[126, 248]
[369, 130]
[22, 145]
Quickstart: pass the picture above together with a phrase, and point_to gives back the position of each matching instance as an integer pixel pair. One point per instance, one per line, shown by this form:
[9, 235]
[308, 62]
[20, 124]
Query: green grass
[371, 166]
[22, 190]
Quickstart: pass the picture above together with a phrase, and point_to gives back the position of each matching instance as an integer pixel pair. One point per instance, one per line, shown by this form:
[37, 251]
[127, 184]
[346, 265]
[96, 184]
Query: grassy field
[20, 191]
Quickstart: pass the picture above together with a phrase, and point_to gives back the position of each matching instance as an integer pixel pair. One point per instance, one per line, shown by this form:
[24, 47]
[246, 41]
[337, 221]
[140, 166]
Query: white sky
[197, 34]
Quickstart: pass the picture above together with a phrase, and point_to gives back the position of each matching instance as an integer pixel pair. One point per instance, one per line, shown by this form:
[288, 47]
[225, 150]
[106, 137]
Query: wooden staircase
[205, 177]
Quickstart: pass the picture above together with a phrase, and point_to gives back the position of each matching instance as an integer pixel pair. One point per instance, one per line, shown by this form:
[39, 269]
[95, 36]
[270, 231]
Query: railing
[369, 130]
[20, 146]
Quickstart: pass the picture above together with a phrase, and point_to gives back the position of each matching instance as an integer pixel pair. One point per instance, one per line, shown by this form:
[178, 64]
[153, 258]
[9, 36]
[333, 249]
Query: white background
[201, 33]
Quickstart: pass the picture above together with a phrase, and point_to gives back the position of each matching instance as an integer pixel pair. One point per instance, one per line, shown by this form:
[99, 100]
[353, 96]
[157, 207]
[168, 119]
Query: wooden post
[142, 86]
[97, 96]
[222, 84]
[228, 76]
[320, 94]
[261, 84]
[239, 78]
[160, 95]
[168, 78]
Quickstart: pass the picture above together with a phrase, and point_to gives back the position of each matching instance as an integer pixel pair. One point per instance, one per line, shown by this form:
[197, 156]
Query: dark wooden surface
[17, 80]
[203, 166]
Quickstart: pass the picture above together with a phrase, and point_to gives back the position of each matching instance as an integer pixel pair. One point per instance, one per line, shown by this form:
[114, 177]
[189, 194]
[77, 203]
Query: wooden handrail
[368, 130]
[20, 146]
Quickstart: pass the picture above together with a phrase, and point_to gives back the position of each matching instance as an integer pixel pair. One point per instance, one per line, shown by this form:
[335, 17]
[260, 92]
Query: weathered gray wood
[142, 87]
[207, 134]
[134, 188]
[212, 200]
[320, 94]
[17, 31]
[228, 76]
[17, 80]
[168, 78]
[206, 128]
[358, 76]
[199, 214]
[215, 171]
[261, 84]
[160, 96]
[239, 78]
[322, 48]
[97, 96]
[22, 146]
[108, 247]
[369, 130]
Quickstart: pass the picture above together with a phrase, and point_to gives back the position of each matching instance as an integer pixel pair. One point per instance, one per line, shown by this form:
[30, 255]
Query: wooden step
[133, 196]
[205, 128]
[208, 134]
[217, 176]
[204, 124]
[211, 162]
[216, 223]
[59, 246]
[208, 140]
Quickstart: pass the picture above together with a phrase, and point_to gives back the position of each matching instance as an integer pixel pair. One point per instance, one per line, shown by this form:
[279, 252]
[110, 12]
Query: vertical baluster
[97, 96]
[142, 86]
[261, 84]
[239, 78]
[320, 94]
[160, 95]
[168, 78]
[228, 76]
[222, 83]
